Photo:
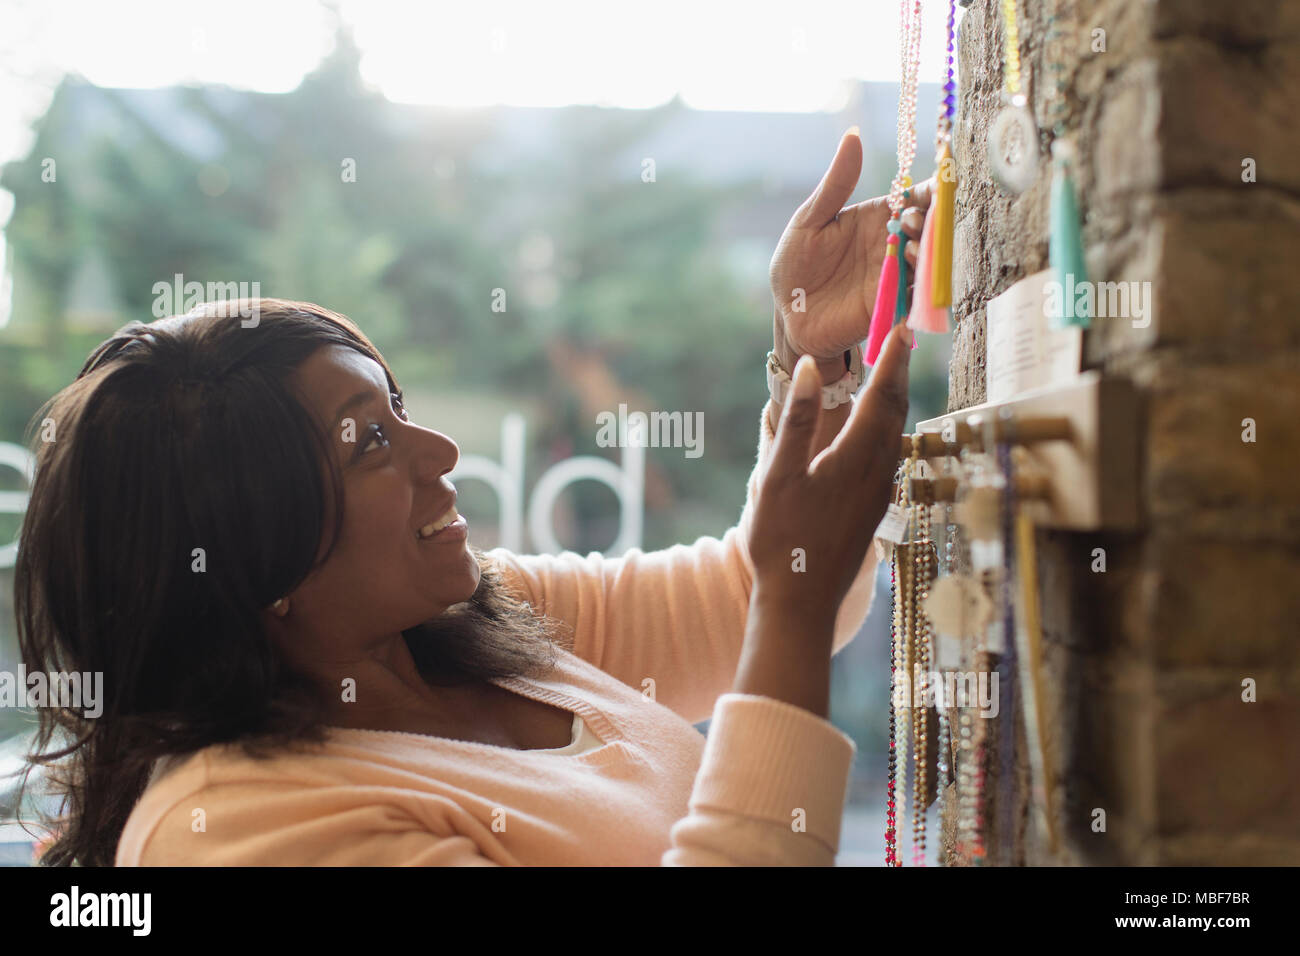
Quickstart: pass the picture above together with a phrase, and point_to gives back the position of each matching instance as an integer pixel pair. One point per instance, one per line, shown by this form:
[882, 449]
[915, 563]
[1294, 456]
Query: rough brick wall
[1147, 659]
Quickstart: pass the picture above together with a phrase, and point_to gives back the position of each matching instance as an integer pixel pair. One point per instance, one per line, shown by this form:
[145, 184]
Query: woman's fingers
[920, 194]
[910, 252]
[870, 441]
[837, 184]
[798, 425]
[913, 221]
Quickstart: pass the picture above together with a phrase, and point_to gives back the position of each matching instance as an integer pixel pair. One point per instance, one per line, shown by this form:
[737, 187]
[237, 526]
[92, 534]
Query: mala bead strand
[910, 53]
[904, 688]
[903, 557]
[1011, 50]
[894, 271]
[915, 666]
[904, 693]
[945, 732]
[919, 715]
[950, 84]
[965, 787]
[1008, 663]
[891, 829]
[921, 559]
[984, 666]
[964, 756]
[945, 748]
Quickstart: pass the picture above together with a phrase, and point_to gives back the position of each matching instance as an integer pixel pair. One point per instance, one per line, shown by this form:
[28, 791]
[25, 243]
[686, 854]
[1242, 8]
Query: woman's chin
[467, 577]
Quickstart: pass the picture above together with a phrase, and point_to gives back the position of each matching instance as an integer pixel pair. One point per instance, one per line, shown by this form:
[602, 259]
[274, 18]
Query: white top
[583, 740]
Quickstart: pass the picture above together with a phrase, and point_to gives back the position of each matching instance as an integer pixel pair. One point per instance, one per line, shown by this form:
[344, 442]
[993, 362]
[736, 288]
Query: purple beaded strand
[950, 87]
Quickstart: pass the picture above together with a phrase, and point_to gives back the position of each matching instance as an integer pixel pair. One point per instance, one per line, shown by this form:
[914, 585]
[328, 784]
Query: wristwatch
[833, 395]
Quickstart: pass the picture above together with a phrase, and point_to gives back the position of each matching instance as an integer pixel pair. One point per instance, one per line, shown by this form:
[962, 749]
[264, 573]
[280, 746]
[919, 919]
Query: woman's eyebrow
[353, 402]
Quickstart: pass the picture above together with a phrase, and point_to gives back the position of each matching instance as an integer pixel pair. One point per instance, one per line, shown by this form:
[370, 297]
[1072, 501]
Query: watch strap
[834, 395]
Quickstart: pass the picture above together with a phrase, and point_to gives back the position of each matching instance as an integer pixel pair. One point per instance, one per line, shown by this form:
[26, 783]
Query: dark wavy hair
[181, 430]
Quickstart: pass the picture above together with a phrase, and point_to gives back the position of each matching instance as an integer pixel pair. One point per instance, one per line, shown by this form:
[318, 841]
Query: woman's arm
[674, 616]
[773, 756]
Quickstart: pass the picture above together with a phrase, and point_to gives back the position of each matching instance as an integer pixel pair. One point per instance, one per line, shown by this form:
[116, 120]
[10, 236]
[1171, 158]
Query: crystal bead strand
[902, 558]
[891, 823]
[923, 644]
[950, 84]
[1008, 662]
[910, 40]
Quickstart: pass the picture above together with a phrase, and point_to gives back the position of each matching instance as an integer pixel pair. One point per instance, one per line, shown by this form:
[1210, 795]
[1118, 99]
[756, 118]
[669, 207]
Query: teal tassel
[901, 306]
[1065, 248]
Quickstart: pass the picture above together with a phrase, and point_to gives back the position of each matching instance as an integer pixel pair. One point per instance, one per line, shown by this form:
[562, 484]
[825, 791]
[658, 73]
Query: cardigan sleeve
[770, 790]
[675, 616]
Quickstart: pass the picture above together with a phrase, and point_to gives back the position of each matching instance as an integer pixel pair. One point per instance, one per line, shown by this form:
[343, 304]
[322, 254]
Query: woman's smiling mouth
[450, 523]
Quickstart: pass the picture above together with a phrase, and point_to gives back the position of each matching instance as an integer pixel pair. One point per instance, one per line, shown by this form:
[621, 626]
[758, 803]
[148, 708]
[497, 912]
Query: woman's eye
[372, 431]
[399, 408]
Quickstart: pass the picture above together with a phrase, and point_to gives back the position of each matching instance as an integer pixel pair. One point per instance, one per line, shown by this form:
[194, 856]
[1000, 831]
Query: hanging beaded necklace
[932, 293]
[982, 530]
[900, 698]
[911, 648]
[921, 637]
[891, 820]
[965, 848]
[1013, 138]
[891, 290]
[1007, 666]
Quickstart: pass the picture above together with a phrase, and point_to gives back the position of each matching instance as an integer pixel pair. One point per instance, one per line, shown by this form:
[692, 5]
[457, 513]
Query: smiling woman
[305, 662]
[197, 480]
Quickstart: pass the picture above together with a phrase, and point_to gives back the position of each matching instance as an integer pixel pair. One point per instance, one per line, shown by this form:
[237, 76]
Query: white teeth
[435, 526]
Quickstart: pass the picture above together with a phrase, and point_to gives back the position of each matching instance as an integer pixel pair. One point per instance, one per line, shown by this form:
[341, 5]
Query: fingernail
[905, 336]
[806, 379]
[852, 131]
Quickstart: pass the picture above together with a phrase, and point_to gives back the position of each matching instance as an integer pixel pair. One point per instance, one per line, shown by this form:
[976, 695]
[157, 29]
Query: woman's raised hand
[827, 262]
[813, 521]
[815, 517]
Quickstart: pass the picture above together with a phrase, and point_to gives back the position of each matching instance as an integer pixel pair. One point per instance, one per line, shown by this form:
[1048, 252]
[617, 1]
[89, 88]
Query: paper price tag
[949, 652]
[994, 638]
[893, 525]
[985, 554]
[957, 605]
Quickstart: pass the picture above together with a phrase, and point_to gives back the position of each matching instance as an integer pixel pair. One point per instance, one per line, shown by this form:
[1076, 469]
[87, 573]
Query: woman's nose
[438, 455]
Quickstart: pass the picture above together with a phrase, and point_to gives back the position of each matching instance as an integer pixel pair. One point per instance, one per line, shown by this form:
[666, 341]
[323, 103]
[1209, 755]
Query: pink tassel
[882, 317]
[925, 316]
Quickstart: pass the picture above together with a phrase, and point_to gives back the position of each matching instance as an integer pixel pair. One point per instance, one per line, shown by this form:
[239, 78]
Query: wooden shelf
[1080, 438]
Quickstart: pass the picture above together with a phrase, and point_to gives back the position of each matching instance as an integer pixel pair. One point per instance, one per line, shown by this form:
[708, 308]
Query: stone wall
[1147, 660]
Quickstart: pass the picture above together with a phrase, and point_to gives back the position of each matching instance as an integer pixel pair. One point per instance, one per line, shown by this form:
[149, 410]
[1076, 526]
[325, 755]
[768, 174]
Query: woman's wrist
[793, 607]
[832, 368]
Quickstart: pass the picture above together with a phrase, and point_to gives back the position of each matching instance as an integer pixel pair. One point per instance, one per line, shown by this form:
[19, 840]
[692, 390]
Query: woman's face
[381, 577]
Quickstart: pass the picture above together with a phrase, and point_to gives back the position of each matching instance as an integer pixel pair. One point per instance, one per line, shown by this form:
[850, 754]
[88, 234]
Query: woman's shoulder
[223, 806]
[186, 785]
[225, 764]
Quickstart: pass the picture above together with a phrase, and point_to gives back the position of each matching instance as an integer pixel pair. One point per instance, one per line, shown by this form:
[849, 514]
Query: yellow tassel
[941, 277]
